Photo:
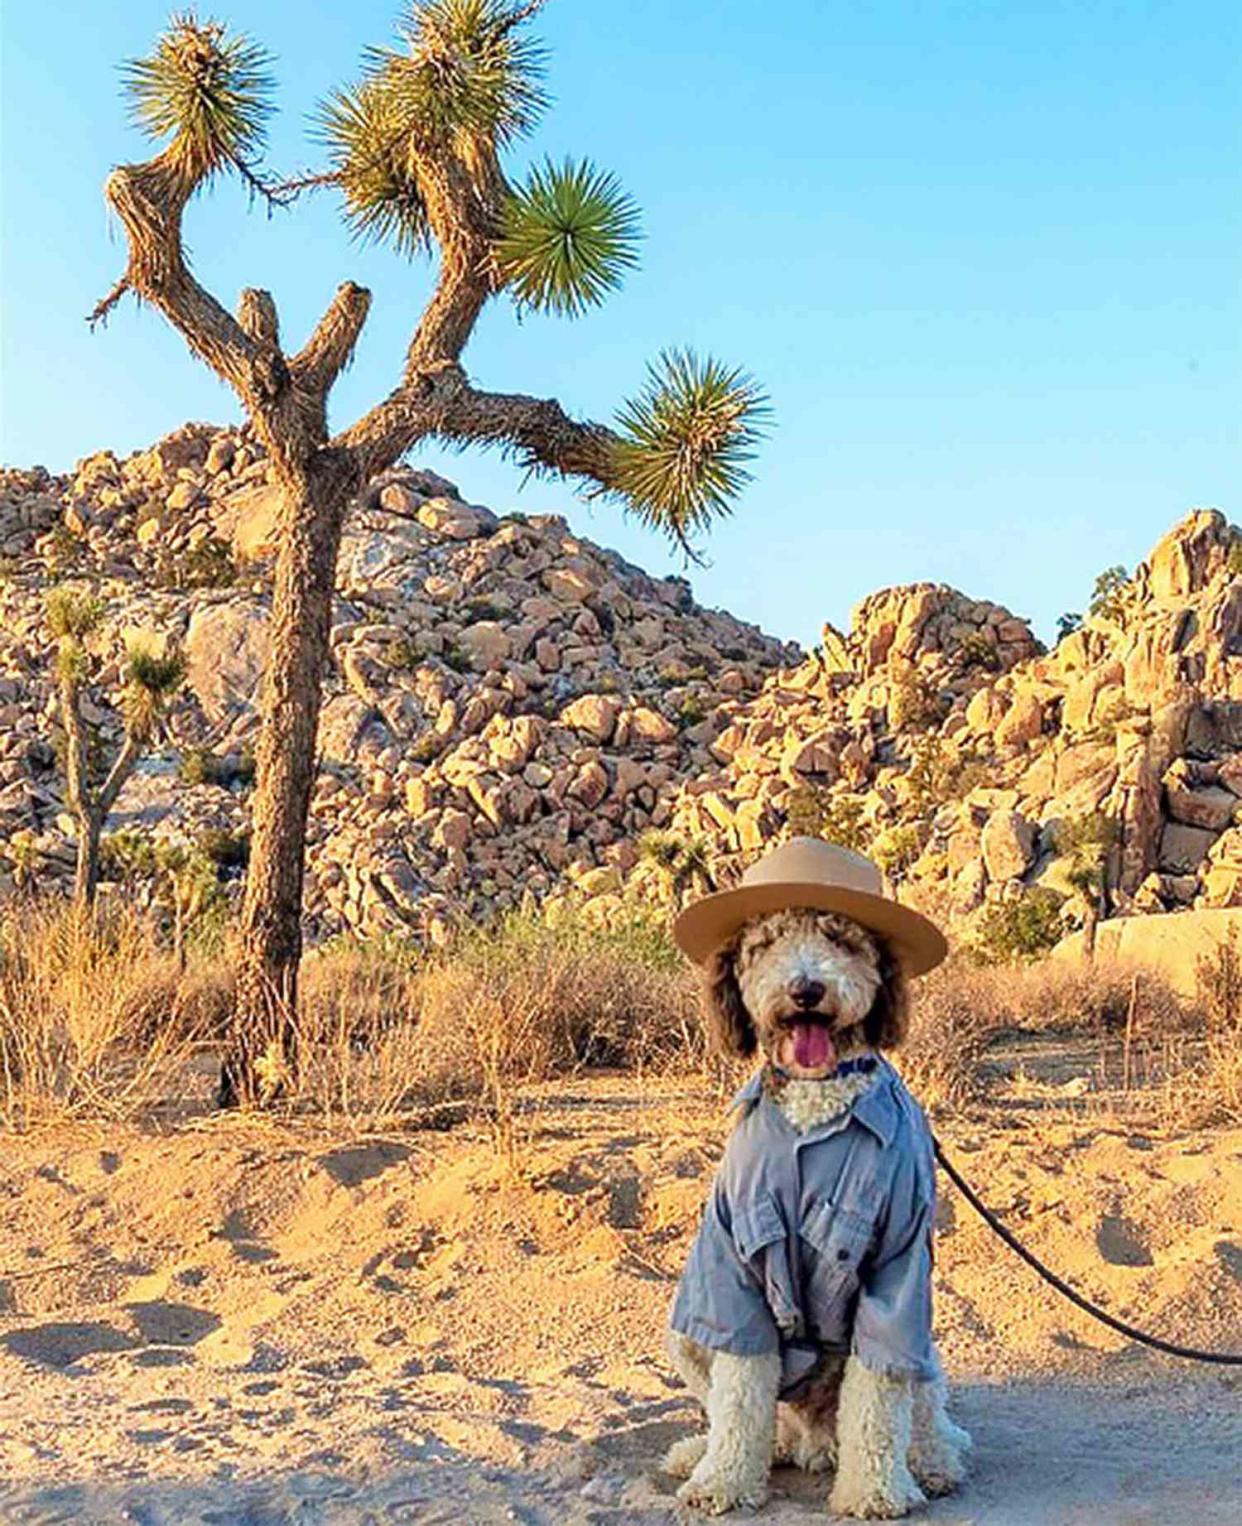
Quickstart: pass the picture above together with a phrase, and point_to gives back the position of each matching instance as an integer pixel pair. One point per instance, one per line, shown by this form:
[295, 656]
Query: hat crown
[813, 861]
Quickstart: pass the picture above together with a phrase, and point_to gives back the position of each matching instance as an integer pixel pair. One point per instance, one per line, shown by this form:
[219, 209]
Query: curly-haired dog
[802, 1322]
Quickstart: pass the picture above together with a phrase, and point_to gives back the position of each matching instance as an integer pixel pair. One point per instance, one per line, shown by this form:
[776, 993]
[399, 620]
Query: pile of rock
[507, 702]
[943, 738]
[511, 708]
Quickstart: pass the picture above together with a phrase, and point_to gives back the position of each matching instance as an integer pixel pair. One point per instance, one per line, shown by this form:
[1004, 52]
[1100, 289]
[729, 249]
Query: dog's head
[809, 988]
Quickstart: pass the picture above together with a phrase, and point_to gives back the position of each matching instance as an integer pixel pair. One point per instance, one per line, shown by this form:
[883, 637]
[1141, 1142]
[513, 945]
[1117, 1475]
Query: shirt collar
[876, 1108]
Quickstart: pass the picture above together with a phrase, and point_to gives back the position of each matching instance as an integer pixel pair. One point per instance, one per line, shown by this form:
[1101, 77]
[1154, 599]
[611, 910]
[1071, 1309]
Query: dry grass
[493, 1012]
[1141, 1028]
[95, 1016]
[96, 1020]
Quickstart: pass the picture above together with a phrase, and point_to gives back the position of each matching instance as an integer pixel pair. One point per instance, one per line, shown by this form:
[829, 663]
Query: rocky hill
[508, 703]
[512, 709]
[968, 760]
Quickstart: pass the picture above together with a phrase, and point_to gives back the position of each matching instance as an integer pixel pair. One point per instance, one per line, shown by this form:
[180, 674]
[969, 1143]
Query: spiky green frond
[73, 612]
[152, 678]
[685, 441]
[570, 234]
[368, 151]
[465, 70]
[206, 89]
[159, 673]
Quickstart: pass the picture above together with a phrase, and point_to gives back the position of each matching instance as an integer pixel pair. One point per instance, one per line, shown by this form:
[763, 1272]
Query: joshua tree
[92, 785]
[1088, 842]
[684, 863]
[414, 150]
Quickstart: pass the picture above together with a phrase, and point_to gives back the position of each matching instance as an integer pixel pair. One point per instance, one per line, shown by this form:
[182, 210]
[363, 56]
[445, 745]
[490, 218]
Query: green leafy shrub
[1020, 930]
[813, 811]
[1108, 596]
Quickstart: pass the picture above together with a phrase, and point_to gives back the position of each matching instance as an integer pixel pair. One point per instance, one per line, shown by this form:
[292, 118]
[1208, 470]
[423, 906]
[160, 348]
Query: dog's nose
[806, 993]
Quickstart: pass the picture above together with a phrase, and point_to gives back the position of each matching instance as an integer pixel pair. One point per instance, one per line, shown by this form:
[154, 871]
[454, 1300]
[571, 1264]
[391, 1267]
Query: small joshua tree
[683, 863]
[1087, 842]
[415, 150]
[92, 785]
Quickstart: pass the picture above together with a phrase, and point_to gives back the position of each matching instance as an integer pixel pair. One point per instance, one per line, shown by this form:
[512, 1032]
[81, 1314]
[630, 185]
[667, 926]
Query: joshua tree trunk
[264, 1046]
[86, 877]
[1090, 924]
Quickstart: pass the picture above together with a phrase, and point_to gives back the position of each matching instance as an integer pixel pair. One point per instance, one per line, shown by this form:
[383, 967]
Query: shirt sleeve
[893, 1321]
[720, 1301]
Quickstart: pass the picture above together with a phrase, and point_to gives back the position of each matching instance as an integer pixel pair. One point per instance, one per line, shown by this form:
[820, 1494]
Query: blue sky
[984, 257]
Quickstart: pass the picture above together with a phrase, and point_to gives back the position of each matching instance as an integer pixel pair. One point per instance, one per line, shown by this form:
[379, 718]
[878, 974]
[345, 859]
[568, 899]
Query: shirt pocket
[839, 1239]
[762, 1241]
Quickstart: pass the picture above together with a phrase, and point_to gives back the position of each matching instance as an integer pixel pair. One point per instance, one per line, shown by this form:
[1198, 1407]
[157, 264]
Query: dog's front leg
[741, 1429]
[873, 1479]
[938, 1447]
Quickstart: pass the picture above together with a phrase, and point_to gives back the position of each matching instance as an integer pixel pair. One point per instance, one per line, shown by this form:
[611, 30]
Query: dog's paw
[715, 1493]
[684, 1456]
[940, 1464]
[876, 1499]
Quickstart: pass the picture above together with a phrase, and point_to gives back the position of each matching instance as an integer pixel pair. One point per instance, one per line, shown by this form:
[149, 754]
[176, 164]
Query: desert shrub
[1216, 1090]
[976, 651]
[95, 1017]
[683, 863]
[1021, 929]
[499, 1008]
[207, 564]
[813, 811]
[963, 1007]
[199, 765]
[1067, 624]
[915, 703]
[938, 773]
[896, 849]
[1108, 595]
[225, 849]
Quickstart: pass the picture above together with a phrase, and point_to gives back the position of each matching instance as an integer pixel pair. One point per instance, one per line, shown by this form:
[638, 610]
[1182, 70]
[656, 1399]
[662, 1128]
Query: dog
[802, 1322]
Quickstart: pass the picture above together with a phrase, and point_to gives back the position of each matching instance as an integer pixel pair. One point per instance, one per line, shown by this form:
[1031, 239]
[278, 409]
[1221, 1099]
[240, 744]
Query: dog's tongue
[812, 1045]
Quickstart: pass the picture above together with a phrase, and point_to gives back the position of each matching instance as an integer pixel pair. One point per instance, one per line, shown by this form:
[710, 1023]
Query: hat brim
[703, 928]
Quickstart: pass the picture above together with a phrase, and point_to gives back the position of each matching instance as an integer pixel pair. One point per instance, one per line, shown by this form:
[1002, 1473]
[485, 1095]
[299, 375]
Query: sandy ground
[240, 1324]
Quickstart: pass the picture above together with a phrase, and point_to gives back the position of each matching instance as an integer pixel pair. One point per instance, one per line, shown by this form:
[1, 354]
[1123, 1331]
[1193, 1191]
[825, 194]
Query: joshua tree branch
[330, 348]
[124, 765]
[537, 431]
[150, 200]
[75, 746]
[257, 316]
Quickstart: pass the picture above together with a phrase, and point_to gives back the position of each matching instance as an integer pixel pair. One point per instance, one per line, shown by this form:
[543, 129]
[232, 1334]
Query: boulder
[1168, 946]
[593, 714]
[226, 651]
[1007, 844]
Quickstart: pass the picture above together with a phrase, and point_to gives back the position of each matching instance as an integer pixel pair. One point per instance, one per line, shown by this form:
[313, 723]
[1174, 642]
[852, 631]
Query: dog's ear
[728, 1023]
[885, 1024]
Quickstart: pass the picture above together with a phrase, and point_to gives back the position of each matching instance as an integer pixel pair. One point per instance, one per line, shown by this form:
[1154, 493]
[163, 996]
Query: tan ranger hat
[806, 871]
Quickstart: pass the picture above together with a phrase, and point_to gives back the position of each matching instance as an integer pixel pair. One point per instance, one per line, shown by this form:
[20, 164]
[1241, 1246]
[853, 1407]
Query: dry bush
[95, 1017]
[497, 1009]
[960, 1009]
[1214, 1094]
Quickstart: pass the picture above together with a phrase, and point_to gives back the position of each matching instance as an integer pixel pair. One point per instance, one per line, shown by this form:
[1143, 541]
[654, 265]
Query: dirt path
[255, 1327]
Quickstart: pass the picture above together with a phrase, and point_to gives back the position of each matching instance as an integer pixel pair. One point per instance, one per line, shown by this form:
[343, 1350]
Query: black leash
[1224, 1358]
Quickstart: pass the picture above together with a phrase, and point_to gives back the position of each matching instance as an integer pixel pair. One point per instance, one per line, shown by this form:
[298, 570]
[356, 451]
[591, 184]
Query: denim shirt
[819, 1241]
